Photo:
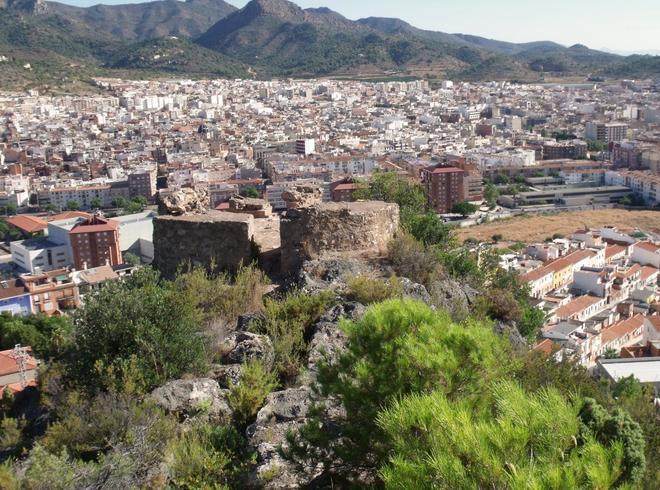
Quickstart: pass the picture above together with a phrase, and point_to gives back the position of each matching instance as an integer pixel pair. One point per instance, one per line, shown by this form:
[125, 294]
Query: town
[96, 189]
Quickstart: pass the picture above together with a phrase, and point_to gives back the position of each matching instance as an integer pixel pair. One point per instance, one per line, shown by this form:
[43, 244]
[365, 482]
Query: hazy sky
[625, 26]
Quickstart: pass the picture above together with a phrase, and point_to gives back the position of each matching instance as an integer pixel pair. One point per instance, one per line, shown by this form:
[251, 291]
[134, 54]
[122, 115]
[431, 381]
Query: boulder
[285, 406]
[328, 340]
[184, 201]
[415, 291]
[284, 412]
[456, 298]
[226, 375]
[239, 347]
[190, 397]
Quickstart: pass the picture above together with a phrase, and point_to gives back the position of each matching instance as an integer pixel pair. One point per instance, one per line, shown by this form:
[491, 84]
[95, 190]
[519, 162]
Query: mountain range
[269, 38]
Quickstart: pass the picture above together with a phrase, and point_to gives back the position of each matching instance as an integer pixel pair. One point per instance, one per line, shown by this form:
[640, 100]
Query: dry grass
[538, 228]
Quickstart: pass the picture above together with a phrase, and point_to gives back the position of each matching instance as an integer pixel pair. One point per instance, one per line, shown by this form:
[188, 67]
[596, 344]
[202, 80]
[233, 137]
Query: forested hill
[272, 38]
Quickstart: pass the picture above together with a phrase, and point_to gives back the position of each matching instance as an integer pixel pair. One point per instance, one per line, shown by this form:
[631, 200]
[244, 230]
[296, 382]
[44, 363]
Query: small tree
[96, 203]
[72, 205]
[250, 191]
[11, 209]
[465, 208]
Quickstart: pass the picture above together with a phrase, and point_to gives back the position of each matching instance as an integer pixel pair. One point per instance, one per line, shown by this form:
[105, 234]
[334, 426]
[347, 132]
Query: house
[622, 334]
[581, 308]
[564, 268]
[14, 297]
[539, 281]
[52, 292]
[18, 370]
[29, 226]
[646, 253]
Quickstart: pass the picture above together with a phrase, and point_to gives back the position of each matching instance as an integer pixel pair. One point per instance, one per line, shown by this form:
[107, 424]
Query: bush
[411, 259]
[220, 295]
[140, 323]
[48, 336]
[248, 396]
[428, 228]
[398, 347]
[209, 457]
[499, 304]
[366, 290]
[617, 427]
[89, 427]
[519, 441]
[287, 322]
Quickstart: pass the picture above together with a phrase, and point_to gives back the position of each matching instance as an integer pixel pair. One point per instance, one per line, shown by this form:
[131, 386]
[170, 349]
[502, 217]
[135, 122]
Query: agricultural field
[535, 228]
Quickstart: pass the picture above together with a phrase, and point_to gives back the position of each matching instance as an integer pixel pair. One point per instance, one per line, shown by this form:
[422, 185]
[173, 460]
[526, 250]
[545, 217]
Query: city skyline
[564, 23]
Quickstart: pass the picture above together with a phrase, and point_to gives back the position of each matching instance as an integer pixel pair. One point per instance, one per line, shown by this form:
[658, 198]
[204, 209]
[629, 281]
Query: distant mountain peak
[277, 8]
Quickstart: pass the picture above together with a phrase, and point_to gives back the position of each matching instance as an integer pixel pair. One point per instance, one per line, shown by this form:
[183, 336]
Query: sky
[629, 26]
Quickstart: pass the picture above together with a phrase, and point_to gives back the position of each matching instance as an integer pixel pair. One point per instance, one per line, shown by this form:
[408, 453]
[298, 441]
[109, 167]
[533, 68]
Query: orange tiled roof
[570, 259]
[648, 246]
[577, 305]
[29, 224]
[621, 328]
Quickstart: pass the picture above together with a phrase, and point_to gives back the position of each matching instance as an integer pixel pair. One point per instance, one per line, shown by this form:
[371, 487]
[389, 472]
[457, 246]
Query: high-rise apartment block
[95, 242]
[445, 187]
[606, 132]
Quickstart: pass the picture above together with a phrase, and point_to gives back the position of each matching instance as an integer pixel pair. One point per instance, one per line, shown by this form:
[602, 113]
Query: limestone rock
[284, 411]
[415, 291]
[302, 196]
[239, 347]
[453, 296]
[225, 375]
[328, 339]
[189, 397]
[185, 201]
[259, 208]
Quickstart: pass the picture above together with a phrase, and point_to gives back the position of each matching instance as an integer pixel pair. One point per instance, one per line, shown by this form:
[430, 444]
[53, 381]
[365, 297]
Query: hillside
[148, 20]
[282, 38]
[271, 38]
[173, 55]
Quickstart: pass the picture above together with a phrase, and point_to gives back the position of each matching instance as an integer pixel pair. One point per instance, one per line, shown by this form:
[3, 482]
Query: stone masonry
[200, 239]
[355, 228]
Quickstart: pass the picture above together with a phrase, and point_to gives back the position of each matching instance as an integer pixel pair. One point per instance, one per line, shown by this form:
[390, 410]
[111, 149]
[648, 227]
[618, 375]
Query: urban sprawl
[82, 177]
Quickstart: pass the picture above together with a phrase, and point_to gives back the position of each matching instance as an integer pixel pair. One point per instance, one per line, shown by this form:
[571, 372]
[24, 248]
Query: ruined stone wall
[200, 239]
[358, 227]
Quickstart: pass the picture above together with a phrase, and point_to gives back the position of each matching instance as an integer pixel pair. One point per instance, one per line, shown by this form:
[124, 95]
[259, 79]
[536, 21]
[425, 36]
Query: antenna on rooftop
[21, 356]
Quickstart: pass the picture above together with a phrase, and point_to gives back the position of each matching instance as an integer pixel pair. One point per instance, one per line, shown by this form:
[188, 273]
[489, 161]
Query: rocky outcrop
[359, 228]
[302, 196]
[285, 411]
[456, 298]
[190, 397]
[239, 347]
[226, 375]
[184, 201]
[259, 208]
[222, 239]
[328, 340]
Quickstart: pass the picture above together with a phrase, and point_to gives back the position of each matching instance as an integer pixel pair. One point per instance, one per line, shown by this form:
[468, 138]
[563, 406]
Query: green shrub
[413, 260]
[287, 322]
[248, 396]
[520, 441]
[209, 457]
[366, 290]
[221, 296]
[398, 347]
[136, 320]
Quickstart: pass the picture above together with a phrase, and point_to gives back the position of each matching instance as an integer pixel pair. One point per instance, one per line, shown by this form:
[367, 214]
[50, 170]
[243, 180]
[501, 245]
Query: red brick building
[444, 186]
[95, 242]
